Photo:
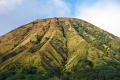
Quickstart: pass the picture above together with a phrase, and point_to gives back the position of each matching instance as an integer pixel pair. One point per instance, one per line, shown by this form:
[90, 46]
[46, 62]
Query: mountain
[59, 49]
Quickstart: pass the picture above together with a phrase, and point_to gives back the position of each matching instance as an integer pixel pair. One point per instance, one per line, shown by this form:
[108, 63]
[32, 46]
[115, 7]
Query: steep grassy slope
[62, 48]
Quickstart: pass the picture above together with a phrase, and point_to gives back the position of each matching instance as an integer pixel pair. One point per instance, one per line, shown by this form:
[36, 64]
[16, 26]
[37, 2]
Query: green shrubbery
[109, 71]
[101, 37]
[27, 73]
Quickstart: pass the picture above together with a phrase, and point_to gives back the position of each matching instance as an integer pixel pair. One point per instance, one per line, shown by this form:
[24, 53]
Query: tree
[16, 77]
[29, 70]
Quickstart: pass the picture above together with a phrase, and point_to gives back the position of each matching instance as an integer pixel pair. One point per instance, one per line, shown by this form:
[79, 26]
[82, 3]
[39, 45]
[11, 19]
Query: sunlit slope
[54, 42]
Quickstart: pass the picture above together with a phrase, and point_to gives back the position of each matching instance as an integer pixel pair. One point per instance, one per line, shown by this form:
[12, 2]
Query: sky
[102, 13]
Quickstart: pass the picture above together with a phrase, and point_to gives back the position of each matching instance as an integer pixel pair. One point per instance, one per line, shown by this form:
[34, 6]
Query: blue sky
[102, 13]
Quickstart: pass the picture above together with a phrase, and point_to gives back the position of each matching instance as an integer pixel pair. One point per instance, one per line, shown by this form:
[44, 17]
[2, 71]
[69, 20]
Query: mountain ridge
[58, 44]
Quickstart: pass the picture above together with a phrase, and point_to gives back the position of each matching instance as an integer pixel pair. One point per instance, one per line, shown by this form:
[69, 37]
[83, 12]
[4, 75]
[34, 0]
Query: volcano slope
[59, 49]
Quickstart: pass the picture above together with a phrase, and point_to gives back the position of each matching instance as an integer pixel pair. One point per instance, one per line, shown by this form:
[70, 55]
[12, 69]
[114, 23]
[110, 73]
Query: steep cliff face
[52, 43]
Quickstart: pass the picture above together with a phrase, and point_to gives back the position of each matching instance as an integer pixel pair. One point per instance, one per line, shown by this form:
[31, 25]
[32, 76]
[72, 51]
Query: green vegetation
[27, 73]
[109, 71]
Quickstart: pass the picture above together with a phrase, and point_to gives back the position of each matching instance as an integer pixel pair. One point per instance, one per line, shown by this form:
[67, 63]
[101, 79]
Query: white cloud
[8, 5]
[104, 15]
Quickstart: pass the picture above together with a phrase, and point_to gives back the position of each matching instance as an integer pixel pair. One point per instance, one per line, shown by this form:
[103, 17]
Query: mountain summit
[59, 48]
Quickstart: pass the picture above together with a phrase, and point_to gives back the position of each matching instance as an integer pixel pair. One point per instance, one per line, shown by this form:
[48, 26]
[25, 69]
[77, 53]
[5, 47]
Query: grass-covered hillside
[59, 49]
